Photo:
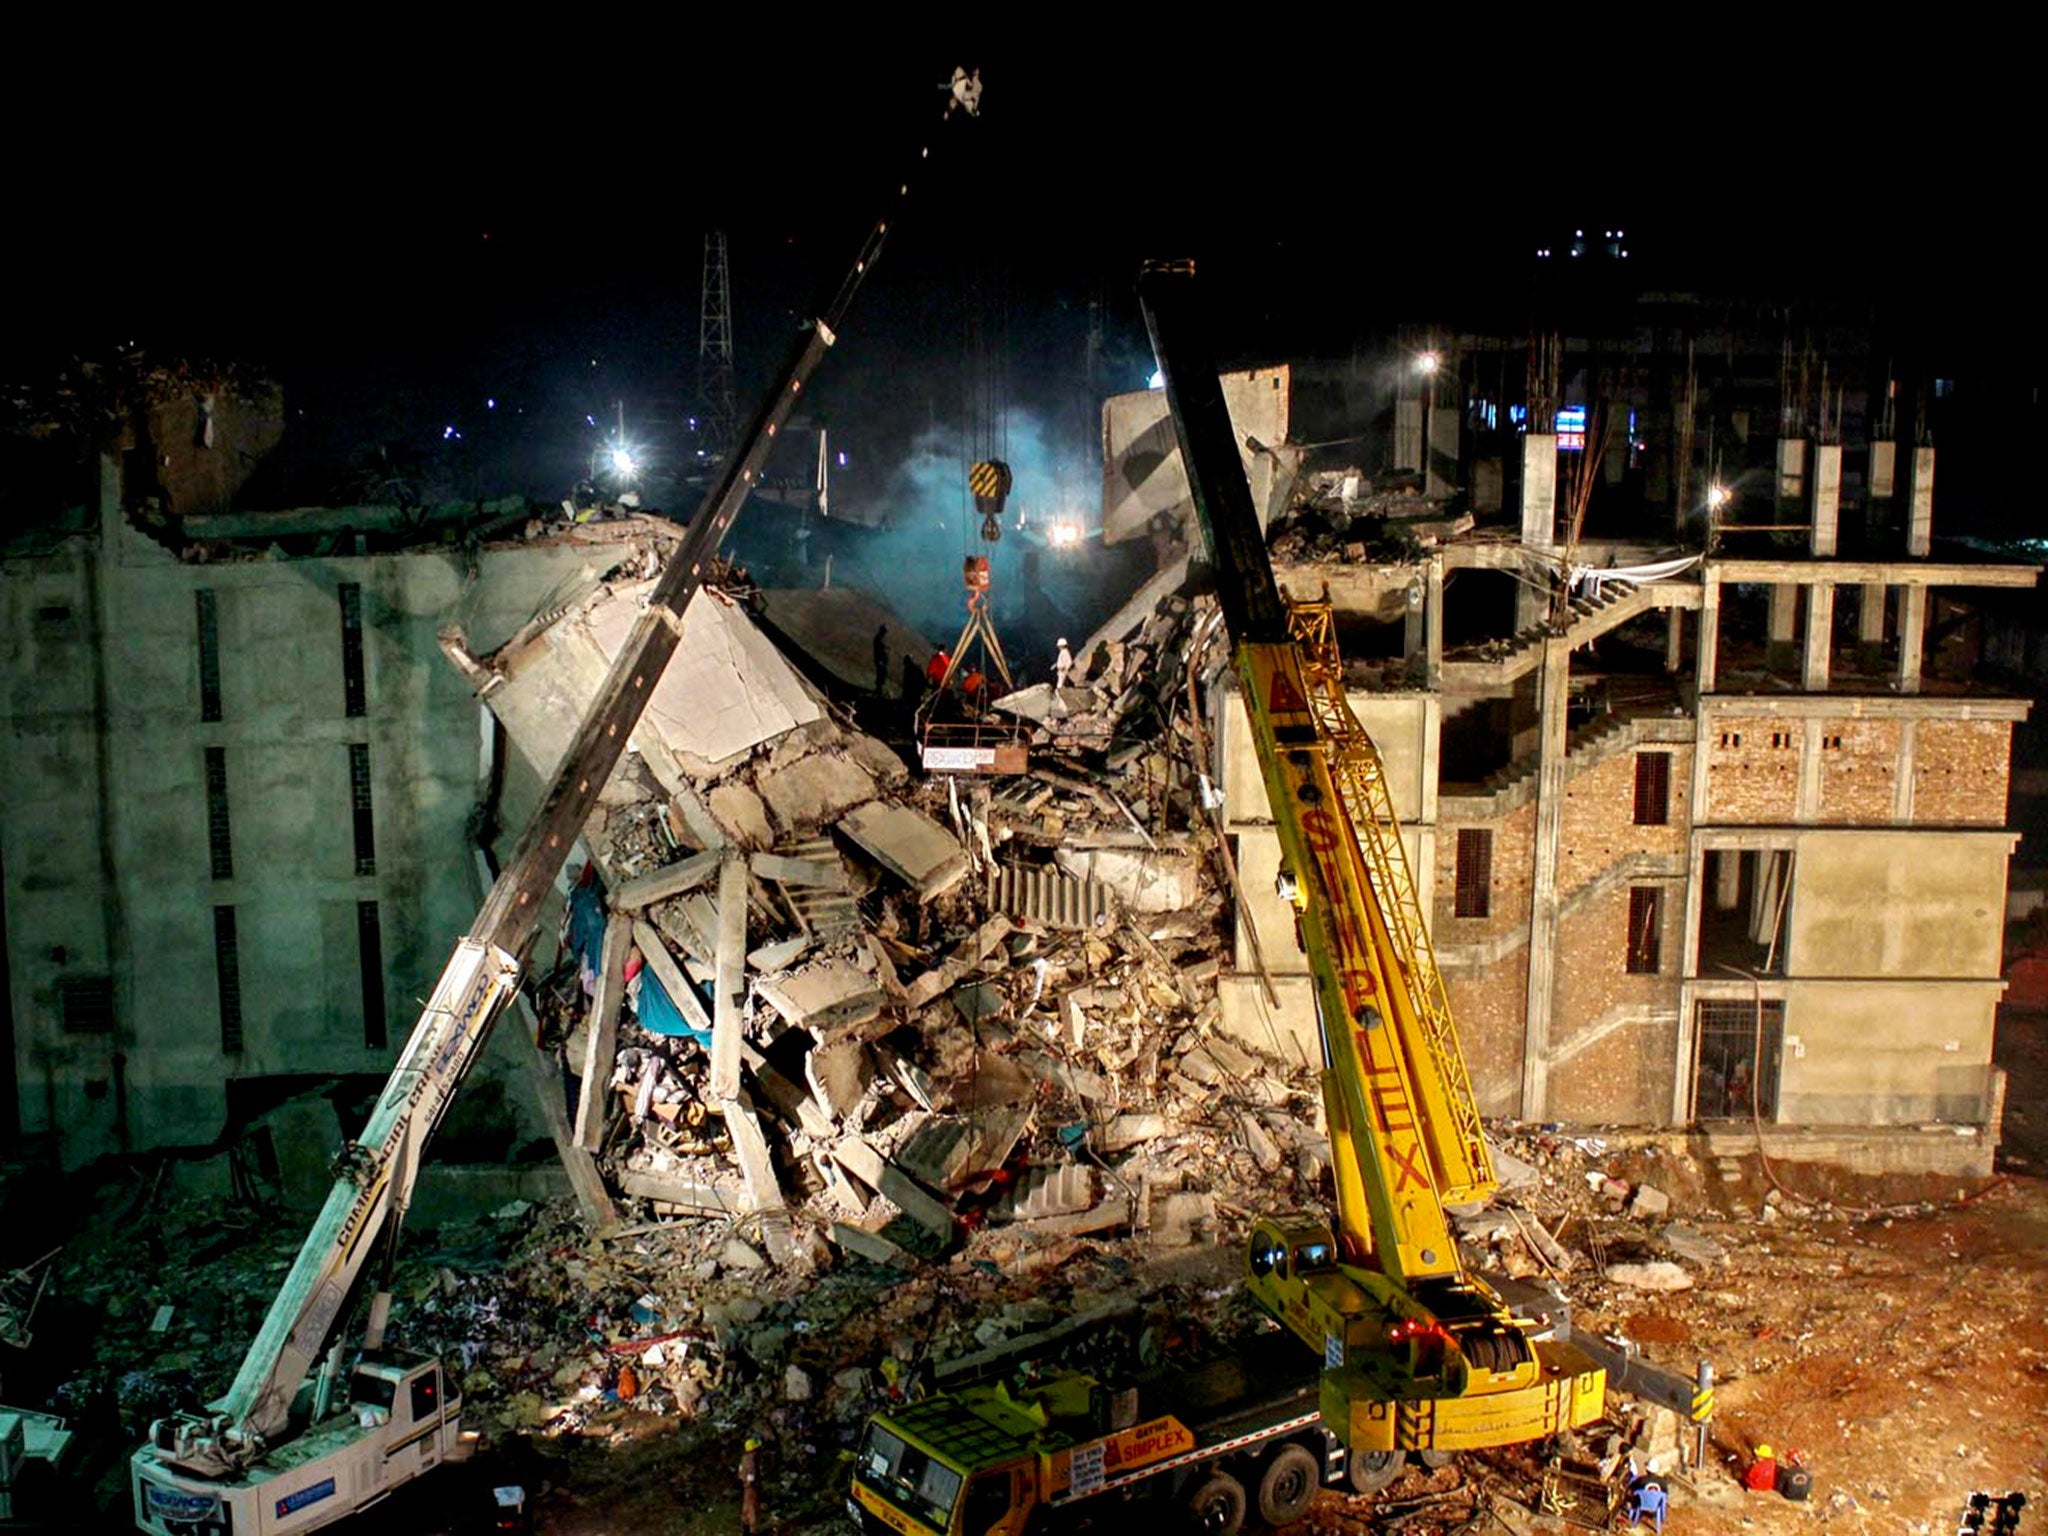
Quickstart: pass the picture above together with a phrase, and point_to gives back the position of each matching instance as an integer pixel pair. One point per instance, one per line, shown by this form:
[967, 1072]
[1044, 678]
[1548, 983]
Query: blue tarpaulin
[583, 926]
[659, 1014]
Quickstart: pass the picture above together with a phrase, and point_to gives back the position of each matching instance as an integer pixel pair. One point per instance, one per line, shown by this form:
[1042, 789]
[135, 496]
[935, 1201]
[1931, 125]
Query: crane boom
[1418, 1353]
[374, 1176]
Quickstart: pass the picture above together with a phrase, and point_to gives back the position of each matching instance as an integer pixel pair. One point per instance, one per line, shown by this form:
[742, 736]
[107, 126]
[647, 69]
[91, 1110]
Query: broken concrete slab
[910, 845]
[824, 997]
[1177, 1220]
[757, 1168]
[778, 955]
[963, 958]
[1130, 1130]
[1655, 1275]
[1691, 1244]
[601, 1038]
[857, 1157]
[730, 980]
[683, 1194]
[1511, 1172]
[741, 815]
[813, 790]
[1648, 1203]
[672, 880]
[873, 1247]
[1050, 897]
[948, 1148]
[790, 1099]
[793, 871]
[1145, 879]
[839, 1073]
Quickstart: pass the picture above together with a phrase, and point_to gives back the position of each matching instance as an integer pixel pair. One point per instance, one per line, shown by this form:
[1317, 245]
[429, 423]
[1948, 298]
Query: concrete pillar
[1912, 635]
[1884, 463]
[1539, 520]
[1902, 780]
[1827, 497]
[1412, 640]
[1441, 423]
[1433, 623]
[1710, 631]
[1920, 503]
[1408, 434]
[1784, 623]
[1727, 880]
[1820, 636]
[1870, 624]
[1542, 979]
[1791, 472]
[1674, 638]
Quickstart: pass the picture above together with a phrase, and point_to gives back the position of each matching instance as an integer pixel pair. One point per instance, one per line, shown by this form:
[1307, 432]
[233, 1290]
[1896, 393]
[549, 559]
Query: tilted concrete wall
[294, 888]
[1141, 468]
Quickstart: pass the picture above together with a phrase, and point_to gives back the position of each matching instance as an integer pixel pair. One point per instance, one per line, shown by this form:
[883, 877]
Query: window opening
[209, 654]
[359, 803]
[1645, 926]
[353, 696]
[1653, 789]
[220, 841]
[1475, 872]
[1735, 1075]
[228, 974]
[370, 944]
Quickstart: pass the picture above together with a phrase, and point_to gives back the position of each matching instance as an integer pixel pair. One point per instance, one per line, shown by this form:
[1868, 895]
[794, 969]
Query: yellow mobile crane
[1418, 1354]
[1412, 1355]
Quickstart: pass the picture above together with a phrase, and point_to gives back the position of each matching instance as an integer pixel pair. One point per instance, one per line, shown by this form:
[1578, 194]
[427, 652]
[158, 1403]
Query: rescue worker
[975, 686]
[750, 1487]
[935, 669]
[1062, 665]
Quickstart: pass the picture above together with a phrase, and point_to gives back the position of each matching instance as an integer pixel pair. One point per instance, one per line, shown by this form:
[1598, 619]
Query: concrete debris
[912, 847]
[1648, 1203]
[1146, 879]
[825, 996]
[808, 793]
[1656, 1275]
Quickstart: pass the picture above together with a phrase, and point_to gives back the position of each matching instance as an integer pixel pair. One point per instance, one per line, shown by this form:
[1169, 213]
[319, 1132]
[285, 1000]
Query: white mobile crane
[292, 1446]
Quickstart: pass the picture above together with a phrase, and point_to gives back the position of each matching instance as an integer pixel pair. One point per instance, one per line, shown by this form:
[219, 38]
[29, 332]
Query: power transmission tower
[714, 352]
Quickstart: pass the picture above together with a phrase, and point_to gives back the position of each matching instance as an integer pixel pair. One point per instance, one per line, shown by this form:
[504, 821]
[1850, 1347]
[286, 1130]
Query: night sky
[404, 223]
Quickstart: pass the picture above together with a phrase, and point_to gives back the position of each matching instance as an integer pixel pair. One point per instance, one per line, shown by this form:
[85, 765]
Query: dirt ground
[1903, 1353]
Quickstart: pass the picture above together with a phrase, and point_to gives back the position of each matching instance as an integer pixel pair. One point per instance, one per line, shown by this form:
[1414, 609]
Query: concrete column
[1920, 503]
[1539, 519]
[1674, 638]
[1408, 434]
[1820, 636]
[1784, 621]
[1412, 623]
[1806, 803]
[1884, 463]
[1912, 635]
[1827, 497]
[1442, 424]
[1727, 880]
[1710, 631]
[1791, 472]
[1433, 623]
[1553, 701]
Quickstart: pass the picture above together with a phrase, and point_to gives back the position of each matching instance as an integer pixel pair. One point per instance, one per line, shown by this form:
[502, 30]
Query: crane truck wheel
[1434, 1459]
[1287, 1484]
[1370, 1471]
[1216, 1507]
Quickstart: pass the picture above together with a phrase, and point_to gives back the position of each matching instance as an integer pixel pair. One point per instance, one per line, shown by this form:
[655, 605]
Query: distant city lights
[491, 403]
[450, 435]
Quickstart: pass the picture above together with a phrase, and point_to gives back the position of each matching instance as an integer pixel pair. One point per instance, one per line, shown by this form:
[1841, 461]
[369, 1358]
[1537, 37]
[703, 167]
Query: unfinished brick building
[1701, 844]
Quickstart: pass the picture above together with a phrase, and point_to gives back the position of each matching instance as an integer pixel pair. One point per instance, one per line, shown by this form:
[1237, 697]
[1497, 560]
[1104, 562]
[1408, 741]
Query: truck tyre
[1434, 1459]
[1216, 1507]
[1370, 1471]
[1287, 1485]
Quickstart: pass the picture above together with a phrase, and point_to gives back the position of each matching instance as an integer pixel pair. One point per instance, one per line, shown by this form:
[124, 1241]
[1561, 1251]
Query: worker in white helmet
[1062, 665]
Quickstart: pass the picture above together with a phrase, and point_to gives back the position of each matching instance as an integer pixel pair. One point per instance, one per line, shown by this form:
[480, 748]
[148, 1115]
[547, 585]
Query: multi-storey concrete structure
[1699, 847]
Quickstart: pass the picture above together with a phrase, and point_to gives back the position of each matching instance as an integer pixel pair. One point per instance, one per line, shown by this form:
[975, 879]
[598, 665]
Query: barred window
[1645, 927]
[227, 968]
[1475, 872]
[353, 697]
[370, 946]
[220, 836]
[209, 654]
[359, 804]
[1653, 789]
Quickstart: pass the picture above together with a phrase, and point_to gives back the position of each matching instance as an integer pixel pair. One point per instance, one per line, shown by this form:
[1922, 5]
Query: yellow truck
[1232, 1439]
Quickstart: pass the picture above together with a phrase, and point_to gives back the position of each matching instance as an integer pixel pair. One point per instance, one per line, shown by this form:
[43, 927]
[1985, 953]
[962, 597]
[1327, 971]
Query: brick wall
[1488, 1007]
[1859, 769]
[1752, 770]
[1599, 829]
[1514, 842]
[1960, 768]
[1610, 1081]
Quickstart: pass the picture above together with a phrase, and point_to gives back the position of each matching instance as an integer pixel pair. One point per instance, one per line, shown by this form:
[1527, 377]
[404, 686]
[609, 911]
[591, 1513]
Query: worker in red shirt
[935, 669]
[975, 686]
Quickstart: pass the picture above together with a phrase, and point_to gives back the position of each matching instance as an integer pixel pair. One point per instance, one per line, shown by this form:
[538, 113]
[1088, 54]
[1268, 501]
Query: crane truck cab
[399, 1418]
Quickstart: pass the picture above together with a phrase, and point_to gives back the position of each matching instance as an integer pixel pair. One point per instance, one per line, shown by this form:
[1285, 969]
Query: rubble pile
[1340, 514]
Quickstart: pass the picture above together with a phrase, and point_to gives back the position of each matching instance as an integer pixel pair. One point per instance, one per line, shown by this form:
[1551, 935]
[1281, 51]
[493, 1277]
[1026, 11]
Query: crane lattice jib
[1464, 1166]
